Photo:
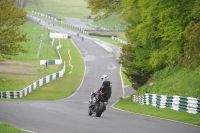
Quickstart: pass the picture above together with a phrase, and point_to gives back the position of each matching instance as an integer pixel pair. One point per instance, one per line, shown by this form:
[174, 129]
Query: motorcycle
[97, 105]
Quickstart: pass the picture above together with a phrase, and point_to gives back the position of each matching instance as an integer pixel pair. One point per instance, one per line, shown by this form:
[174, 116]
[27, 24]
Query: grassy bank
[62, 8]
[14, 72]
[128, 105]
[169, 81]
[65, 86]
[174, 81]
[14, 75]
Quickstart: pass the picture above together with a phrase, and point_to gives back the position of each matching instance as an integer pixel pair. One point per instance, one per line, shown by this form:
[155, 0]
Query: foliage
[104, 8]
[192, 46]
[11, 19]
[155, 33]
[131, 59]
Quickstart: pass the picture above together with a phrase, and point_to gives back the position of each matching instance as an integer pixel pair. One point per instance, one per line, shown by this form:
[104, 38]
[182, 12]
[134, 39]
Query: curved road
[78, 23]
[70, 115]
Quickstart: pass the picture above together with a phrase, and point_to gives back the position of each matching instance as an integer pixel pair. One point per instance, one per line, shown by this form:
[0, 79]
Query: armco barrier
[119, 40]
[50, 62]
[53, 62]
[61, 22]
[32, 87]
[178, 103]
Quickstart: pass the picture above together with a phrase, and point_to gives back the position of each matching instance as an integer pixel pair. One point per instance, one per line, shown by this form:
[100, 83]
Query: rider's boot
[105, 105]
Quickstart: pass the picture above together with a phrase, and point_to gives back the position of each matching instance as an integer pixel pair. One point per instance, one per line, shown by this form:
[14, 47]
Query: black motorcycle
[97, 106]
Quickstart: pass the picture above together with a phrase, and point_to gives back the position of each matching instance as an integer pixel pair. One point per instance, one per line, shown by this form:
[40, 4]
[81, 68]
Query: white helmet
[104, 77]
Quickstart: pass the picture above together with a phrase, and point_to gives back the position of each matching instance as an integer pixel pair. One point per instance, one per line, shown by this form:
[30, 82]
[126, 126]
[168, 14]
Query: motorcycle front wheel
[89, 112]
[100, 109]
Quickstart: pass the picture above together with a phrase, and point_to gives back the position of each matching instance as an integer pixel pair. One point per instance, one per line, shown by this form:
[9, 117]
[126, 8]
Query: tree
[103, 8]
[135, 70]
[192, 46]
[10, 20]
[155, 33]
[22, 3]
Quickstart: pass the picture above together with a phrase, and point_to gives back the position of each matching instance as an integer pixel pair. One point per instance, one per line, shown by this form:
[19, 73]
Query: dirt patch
[20, 68]
[16, 75]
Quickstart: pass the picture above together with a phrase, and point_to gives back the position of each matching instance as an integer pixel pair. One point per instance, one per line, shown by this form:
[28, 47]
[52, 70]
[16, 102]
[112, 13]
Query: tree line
[160, 33]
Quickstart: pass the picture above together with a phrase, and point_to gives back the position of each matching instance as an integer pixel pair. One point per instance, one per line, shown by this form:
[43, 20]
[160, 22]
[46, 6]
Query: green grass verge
[65, 86]
[128, 105]
[124, 77]
[112, 23]
[61, 8]
[57, 89]
[27, 64]
[7, 128]
[34, 35]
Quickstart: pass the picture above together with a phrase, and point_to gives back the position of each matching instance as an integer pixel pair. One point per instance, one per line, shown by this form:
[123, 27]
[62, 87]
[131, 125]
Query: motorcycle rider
[105, 89]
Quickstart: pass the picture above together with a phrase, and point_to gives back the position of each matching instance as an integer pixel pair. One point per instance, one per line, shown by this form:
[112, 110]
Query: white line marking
[83, 75]
[70, 61]
[104, 46]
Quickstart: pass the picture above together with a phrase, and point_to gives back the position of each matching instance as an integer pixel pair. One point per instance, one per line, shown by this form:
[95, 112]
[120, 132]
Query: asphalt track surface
[70, 115]
[78, 23]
